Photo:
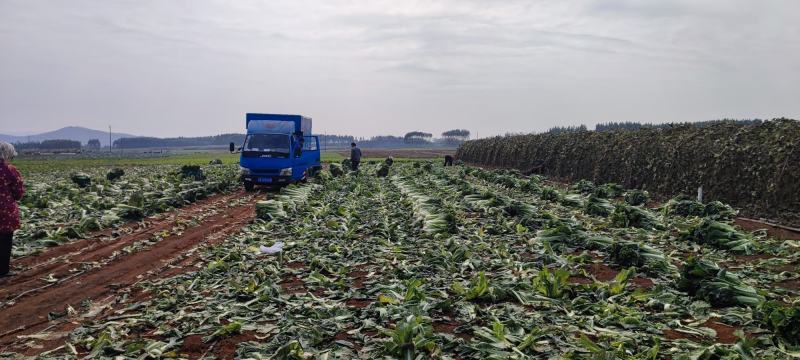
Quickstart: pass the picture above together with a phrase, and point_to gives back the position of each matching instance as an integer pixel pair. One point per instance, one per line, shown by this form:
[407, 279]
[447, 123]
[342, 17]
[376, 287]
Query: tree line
[413, 138]
[50, 145]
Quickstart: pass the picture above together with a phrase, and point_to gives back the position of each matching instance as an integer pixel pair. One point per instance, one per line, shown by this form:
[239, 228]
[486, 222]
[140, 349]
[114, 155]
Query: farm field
[44, 163]
[428, 262]
[397, 154]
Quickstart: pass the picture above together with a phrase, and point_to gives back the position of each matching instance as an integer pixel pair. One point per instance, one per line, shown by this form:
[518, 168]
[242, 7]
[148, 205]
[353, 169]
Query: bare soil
[641, 282]
[725, 333]
[790, 284]
[27, 299]
[194, 347]
[358, 278]
[449, 327]
[772, 231]
[579, 280]
[602, 272]
[358, 303]
[293, 285]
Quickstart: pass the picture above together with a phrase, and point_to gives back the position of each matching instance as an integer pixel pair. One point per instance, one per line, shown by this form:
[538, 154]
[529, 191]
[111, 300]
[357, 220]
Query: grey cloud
[151, 67]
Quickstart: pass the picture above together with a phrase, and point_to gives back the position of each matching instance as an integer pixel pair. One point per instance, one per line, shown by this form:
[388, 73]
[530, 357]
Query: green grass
[32, 164]
[66, 163]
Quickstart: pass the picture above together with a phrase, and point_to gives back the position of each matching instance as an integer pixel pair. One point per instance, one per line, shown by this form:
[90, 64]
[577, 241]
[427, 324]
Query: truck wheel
[248, 186]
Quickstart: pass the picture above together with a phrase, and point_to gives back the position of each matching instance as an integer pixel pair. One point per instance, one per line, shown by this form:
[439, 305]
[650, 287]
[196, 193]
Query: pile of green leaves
[636, 197]
[625, 253]
[684, 206]
[634, 216]
[707, 281]
[721, 236]
[598, 206]
[56, 210]
[783, 320]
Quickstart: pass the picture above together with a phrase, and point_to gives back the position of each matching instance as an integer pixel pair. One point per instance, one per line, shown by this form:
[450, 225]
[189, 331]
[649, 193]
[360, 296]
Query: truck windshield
[275, 145]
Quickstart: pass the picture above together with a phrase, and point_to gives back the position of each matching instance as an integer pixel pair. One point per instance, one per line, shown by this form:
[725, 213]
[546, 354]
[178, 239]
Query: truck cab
[277, 150]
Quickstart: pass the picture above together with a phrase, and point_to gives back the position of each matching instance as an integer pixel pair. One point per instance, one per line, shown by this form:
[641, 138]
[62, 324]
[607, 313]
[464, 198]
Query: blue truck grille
[266, 171]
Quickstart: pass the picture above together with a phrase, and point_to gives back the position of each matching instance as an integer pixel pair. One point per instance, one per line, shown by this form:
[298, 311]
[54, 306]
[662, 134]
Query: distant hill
[76, 133]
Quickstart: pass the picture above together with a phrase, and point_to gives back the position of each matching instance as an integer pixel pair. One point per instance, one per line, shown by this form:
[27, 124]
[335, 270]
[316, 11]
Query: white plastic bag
[274, 249]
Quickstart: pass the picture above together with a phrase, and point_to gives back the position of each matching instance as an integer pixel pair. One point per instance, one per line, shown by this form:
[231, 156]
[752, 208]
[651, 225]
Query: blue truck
[278, 150]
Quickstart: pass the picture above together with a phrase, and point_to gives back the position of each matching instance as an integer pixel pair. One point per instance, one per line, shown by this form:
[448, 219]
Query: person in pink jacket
[11, 190]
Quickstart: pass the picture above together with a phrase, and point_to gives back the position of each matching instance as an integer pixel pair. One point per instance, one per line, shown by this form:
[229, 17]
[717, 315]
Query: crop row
[465, 263]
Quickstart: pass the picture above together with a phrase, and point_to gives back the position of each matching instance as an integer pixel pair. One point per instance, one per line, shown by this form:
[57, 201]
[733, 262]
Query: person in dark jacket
[355, 156]
[11, 191]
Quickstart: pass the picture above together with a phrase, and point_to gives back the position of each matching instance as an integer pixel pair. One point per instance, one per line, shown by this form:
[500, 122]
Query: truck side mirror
[232, 147]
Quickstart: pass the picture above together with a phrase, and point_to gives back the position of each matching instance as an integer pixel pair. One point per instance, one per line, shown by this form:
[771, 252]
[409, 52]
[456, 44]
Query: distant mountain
[76, 133]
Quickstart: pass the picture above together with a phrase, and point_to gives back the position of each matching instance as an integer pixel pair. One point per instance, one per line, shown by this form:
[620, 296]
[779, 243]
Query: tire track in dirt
[30, 313]
[61, 261]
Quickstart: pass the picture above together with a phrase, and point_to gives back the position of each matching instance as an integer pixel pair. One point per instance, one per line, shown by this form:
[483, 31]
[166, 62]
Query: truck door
[311, 150]
[311, 153]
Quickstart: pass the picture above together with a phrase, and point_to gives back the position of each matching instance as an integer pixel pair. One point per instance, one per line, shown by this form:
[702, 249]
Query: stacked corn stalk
[753, 167]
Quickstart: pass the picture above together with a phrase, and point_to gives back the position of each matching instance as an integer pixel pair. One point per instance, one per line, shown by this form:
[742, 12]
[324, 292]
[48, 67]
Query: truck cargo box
[278, 124]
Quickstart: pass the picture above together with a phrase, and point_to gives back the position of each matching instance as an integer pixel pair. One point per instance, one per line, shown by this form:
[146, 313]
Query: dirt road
[49, 283]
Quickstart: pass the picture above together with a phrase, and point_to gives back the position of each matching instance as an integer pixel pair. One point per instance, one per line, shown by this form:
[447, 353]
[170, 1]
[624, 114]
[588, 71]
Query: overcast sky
[194, 67]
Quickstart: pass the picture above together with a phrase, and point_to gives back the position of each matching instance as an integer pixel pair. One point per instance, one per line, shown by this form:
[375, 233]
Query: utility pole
[110, 143]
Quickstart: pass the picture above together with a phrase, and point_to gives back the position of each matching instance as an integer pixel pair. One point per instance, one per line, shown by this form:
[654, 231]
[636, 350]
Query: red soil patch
[643, 283]
[29, 312]
[790, 284]
[358, 278]
[319, 292]
[226, 348]
[184, 266]
[341, 336]
[724, 333]
[194, 347]
[677, 335]
[581, 280]
[772, 231]
[93, 247]
[792, 267]
[602, 272]
[746, 259]
[296, 265]
[358, 303]
[751, 258]
[293, 285]
[60, 260]
[449, 327]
